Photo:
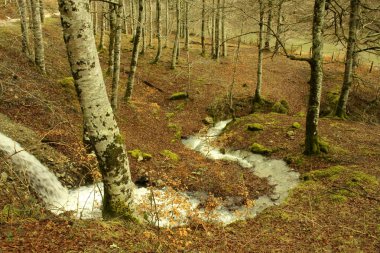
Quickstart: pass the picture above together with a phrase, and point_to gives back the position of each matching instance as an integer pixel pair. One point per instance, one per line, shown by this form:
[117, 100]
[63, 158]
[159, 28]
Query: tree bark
[257, 97]
[279, 26]
[203, 42]
[102, 25]
[213, 29]
[217, 31]
[95, 17]
[269, 25]
[99, 120]
[132, 10]
[135, 53]
[312, 145]
[176, 41]
[167, 24]
[111, 42]
[158, 24]
[117, 53]
[39, 57]
[150, 23]
[42, 11]
[224, 35]
[351, 44]
[24, 27]
[186, 28]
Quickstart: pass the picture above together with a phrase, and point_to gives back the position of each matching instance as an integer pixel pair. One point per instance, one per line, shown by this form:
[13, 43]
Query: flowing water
[162, 207]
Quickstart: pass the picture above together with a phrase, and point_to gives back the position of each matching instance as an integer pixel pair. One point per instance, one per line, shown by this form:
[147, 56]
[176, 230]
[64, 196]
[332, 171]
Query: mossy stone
[255, 127]
[179, 95]
[280, 108]
[140, 155]
[170, 155]
[296, 125]
[259, 149]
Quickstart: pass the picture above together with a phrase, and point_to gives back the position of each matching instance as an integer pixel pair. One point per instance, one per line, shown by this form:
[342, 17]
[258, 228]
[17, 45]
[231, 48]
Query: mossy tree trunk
[39, 57]
[258, 98]
[42, 10]
[351, 44]
[117, 53]
[269, 25]
[203, 27]
[158, 24]
[98, 117]
[176, 41]
[135, 52]
[24, 27]
[316, 63]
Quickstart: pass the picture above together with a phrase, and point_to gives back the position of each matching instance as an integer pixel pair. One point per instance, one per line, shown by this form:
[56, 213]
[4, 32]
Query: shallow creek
[162, 207]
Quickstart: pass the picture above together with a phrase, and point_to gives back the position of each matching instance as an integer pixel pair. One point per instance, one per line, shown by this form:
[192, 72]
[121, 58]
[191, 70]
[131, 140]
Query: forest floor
[335, 208]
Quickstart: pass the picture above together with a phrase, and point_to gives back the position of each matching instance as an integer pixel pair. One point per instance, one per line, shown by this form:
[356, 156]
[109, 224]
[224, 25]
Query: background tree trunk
[257, 97]
[167, 24]
[117, 53]
[102, 25]
[203, 42]
[316, 62]
[24, 28]
[111, 42]
[224, 35]
[135, 52]
[269, 25]
[217, 31]
[176, 41]
[279, 26]
[187, 32]
[99, 120]
[351, 44]
[158, 24]
[42, 11]
[39, 57]
[150, 23]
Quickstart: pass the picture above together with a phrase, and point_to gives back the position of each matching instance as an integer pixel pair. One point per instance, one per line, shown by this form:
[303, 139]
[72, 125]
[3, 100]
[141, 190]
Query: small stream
[161, 207]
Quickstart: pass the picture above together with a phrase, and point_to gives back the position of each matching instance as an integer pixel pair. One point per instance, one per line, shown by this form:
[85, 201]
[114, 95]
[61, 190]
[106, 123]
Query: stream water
[162, 207]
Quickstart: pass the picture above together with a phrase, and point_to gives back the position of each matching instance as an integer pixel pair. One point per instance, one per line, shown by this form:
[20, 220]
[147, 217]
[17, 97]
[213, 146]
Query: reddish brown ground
[312, 220]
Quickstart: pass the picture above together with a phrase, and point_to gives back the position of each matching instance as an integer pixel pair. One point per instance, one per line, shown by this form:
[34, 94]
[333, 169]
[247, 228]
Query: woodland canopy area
[189, 126]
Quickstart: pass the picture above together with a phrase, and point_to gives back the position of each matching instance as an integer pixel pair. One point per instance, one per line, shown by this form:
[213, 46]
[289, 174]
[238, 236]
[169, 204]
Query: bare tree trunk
[39, 57]
[99, 120]
[150, 23]
[143, 32]
[42, 11]
[176, 41]
[269, 25]
[111, 44]
[132, 11]
[24, 28]
[135, 52]
[203, 28]
[279, 27]
[158, 23]
[347, 81]
[213, 29]
[102, 25]
[258, 97]
[217, 32]
[95, 17]
[167, 24]
[312, 145]
[186, 27]
[224, 36]
[117, 53]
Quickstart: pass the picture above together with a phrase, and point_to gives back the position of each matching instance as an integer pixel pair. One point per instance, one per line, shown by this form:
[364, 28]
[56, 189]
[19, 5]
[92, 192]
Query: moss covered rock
[280, 107]
[140, 155]
[170, 155]
[255, 127]
[179, 95]
[296, 125]
[259, 149]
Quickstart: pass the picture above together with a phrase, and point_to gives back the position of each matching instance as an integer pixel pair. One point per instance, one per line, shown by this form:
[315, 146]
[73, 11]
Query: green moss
[296, 125]
[279, 108]
[177, 129]
[170, 155]
[325, 173]
[301, 114]
[169, 115]
[359, 178]
[179, 95]
[285, 104]
[323, 146]
[67, 82]
[255, 127]
[139, 155]
[259, 149]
